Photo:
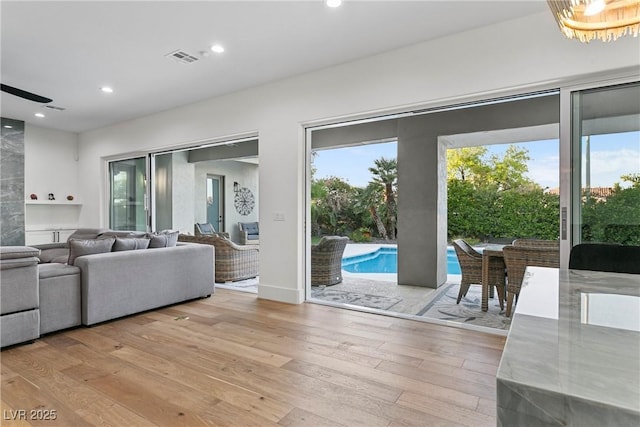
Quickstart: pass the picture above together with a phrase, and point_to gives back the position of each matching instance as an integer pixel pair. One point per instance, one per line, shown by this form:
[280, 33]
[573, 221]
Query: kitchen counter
[572, 356]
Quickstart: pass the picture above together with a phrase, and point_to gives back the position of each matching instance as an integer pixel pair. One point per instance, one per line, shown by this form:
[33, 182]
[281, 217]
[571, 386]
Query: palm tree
[385, 176]
[368, 200]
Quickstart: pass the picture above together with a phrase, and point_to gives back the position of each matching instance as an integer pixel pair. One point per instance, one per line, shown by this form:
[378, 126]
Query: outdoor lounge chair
[326, 260]
[232, 262]
[470, 262]
[518, 257]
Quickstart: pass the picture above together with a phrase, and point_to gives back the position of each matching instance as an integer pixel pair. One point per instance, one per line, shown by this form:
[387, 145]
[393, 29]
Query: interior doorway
[215, 201]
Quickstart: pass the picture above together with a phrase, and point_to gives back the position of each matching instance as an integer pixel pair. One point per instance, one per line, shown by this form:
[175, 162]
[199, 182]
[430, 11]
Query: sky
[611, 156]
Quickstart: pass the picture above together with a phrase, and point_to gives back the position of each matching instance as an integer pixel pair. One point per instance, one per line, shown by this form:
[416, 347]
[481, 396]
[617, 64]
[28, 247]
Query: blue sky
[611, 156]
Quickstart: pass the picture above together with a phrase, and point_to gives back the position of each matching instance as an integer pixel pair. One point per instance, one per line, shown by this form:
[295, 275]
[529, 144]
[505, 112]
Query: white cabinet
[39, 237]
[50, 221]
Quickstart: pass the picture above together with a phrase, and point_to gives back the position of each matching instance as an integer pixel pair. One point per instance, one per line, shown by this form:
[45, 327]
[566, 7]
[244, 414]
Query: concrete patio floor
[413, 298]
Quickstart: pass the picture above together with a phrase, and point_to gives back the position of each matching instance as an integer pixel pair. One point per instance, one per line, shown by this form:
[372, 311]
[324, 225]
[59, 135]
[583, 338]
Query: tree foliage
[488, 197]
[491, 197]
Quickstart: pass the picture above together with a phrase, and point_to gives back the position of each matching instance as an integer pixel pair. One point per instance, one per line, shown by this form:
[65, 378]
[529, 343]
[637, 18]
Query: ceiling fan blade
[24, 94]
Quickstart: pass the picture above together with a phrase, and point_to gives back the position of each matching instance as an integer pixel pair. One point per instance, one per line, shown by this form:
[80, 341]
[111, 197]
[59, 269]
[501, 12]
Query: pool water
[385, 260]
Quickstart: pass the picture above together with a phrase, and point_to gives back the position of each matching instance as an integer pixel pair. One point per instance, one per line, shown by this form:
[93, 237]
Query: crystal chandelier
[587, 20]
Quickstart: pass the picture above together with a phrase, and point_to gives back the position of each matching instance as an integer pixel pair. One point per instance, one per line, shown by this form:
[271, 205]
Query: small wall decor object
[33, 196]
[69, 197]
[51, 196]
[244, 201]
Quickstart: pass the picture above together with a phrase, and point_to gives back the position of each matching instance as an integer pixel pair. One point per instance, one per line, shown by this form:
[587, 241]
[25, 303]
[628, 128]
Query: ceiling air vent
[55, 107]
[182, 56]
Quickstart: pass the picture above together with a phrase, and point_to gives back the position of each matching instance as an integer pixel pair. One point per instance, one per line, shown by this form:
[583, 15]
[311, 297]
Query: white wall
[513, 56]
[246, 174]
[51, 164]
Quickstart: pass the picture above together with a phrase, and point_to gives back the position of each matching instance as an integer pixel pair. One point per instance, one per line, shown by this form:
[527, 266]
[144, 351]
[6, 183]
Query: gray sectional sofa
[42, 294]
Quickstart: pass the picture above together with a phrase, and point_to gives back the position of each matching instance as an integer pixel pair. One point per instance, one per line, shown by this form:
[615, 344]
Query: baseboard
[277, 293]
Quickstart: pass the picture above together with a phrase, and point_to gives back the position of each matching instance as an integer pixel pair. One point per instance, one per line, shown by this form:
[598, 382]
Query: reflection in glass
[606, 184]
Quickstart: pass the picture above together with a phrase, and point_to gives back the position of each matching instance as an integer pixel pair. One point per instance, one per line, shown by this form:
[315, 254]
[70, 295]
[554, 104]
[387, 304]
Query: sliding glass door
[128, 201]
[605, 186]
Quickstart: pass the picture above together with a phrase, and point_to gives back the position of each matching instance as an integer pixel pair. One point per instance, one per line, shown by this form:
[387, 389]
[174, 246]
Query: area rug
[354, 298]
[248, 285]
[443, 306]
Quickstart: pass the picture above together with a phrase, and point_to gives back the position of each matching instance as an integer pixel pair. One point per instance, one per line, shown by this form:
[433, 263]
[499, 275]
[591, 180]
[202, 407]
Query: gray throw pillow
[164, 239]
[130, 244]
[80, 247]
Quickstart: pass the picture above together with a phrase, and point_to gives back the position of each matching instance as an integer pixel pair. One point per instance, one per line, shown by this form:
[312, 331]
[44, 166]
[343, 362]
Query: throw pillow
[164, 239]
[130, 244]
[81, 247]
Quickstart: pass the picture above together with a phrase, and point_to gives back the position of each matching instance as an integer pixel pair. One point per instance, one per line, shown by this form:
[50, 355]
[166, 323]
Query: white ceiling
[68, 50]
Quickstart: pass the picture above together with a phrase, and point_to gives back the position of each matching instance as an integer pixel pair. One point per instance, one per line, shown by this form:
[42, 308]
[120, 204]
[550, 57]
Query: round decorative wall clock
[244, 201]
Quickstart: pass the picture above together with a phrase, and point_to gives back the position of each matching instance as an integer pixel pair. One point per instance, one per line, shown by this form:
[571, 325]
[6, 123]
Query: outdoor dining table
[489, 252]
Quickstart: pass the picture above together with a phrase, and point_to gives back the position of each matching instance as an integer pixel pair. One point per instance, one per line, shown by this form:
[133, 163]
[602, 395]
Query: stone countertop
[572, 356]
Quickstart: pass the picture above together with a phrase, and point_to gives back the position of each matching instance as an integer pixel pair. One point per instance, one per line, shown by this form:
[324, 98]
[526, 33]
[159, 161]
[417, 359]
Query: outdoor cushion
[205, 228]
[251, 228]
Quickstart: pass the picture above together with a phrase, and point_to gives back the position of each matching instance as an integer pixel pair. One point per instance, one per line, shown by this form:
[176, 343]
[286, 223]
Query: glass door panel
[606, 165]
[128, 205]
[214, 205]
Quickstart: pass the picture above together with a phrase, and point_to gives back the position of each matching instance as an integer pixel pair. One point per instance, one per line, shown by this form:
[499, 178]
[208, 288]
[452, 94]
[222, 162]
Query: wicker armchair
[518, 258]
[537, 243]
[326, 261]
[249, 233]
[232, 262]
[206, 229]
[470, 262]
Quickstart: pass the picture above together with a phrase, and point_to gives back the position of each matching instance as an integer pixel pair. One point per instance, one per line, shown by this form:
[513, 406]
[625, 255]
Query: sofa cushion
[130, 243]
[114, 233]
[12, 252]
[81, 247]
[87, 233]
[164, 239]
[54, 255]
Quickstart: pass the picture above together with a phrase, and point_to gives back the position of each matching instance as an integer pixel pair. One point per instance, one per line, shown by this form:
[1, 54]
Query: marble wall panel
[12, 183]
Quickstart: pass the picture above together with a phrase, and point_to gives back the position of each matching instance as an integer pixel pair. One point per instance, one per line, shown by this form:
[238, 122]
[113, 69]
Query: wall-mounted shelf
[53, 202]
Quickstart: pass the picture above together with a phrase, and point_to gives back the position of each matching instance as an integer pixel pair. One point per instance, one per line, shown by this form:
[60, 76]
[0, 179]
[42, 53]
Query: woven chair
[249, 233]
[206, 229]
[232, 262]
[326, 260]
[517, 258]
[609, 257]
[536, 243]
[470, 262]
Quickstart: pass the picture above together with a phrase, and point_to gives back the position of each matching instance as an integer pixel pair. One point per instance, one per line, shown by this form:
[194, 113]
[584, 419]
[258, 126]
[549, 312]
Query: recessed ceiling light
[333, 3]
[217, 48]
[39, 115]
[8, 126]
[106, 89]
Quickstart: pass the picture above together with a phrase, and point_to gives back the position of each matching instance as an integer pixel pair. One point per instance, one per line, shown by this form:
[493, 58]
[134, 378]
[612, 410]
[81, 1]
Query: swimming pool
[385, 260]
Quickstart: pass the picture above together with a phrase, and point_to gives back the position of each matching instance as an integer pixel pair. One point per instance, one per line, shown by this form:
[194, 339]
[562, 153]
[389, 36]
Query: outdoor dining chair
[470, 262]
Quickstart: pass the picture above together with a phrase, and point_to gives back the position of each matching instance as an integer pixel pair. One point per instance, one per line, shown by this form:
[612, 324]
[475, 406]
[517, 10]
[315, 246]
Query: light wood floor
[235, 360]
